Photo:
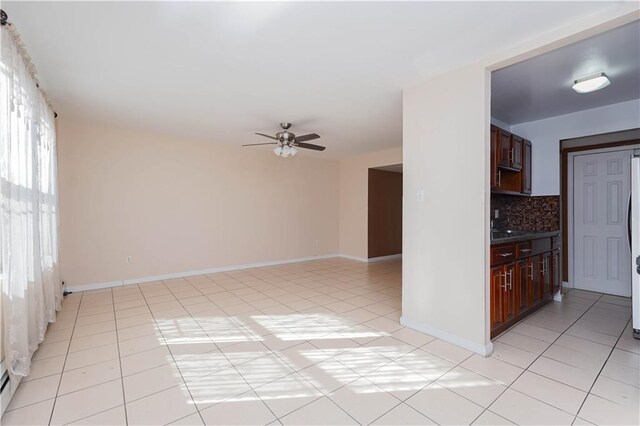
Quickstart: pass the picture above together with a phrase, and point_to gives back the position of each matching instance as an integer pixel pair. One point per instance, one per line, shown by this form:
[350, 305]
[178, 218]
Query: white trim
[484, 350]
[359, 259]
[93, 286]
[120, 283]
[384, 258]
[570, 210]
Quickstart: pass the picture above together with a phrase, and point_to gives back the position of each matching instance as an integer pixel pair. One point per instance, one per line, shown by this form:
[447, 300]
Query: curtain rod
[4, 20]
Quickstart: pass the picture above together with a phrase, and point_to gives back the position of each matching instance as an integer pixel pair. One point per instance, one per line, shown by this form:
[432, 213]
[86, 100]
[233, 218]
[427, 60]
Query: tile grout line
[235, 367]
[173, 359]
[65, 357]
[531, 363]
[302, 342]
[124, 401]
[602, 368]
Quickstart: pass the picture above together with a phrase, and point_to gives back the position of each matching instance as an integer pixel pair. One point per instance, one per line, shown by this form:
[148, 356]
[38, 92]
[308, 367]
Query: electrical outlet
[496, 214]
[420, 195]
[129, 259]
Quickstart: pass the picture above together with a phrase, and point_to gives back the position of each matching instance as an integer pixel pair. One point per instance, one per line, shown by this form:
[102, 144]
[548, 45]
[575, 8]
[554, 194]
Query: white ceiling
[541, 87]
[222, 71]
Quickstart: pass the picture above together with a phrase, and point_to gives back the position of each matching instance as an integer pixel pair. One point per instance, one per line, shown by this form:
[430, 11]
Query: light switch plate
[420, 195]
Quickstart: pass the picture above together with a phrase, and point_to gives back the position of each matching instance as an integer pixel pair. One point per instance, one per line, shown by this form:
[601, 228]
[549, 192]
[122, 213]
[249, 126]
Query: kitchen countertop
[512, 236]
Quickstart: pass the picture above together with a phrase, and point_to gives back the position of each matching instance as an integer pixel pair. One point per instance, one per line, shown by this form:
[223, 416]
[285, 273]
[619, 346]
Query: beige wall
[354, 174]
[177, 205]
[445, 236]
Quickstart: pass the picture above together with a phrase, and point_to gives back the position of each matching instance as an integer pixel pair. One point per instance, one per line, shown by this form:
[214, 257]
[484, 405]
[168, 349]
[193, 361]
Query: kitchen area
[525, 235]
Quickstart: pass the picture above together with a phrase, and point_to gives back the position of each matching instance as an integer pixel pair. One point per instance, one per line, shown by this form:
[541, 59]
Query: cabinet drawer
[540, 245]
[523, 249]
[503, 254]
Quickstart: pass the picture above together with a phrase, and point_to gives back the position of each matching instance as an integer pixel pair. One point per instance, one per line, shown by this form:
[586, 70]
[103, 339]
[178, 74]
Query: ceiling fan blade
[310, 146]
[266, 143]
[267, 136]
[309, 137]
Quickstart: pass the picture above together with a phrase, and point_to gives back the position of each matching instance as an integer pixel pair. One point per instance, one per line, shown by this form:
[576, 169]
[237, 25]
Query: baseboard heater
[5, 388]
[5, 381]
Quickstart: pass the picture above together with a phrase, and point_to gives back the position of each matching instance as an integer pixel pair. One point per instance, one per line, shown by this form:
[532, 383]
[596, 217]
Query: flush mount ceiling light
[591, 83]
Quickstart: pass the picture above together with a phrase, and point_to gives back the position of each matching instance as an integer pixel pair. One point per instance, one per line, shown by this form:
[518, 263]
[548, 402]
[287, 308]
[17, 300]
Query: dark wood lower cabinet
[497, 298]
[510, 300]
[555, 276]
[535, 291]
[547, 285]
[522, 281]
[523, 284]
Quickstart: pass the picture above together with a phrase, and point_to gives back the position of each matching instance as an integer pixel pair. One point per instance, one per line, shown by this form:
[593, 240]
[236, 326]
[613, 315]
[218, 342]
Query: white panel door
[601, 187]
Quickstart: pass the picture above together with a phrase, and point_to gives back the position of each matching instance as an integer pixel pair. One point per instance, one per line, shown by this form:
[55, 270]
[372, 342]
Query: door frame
[633, 146]
[624, 139]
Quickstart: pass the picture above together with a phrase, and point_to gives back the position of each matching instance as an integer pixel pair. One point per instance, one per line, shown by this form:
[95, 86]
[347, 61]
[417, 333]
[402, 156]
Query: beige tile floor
[319, 343]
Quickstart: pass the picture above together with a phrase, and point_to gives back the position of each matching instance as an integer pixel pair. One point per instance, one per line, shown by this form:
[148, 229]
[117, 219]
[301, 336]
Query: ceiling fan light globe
[286, 151]
[277, 151]
[293, 151]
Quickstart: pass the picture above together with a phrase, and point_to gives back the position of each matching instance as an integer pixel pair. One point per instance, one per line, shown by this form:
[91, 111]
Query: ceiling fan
[287, 142]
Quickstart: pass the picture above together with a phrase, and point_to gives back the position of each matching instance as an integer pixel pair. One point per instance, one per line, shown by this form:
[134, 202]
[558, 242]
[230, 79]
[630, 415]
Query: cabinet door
[555, 276]
[526, 167]
[522, 285]
[547, 289]
[497, 296]
[535, 276]
[516, 152]
[494, 150]
[504, 148]
[510, 300]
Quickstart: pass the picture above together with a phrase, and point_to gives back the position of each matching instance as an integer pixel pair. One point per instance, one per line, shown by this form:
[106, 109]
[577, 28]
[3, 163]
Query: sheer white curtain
[31, 290]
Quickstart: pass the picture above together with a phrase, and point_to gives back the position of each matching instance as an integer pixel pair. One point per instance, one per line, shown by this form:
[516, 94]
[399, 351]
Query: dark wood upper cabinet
[503, 157]
[494, 149]
[516, 152]
[510, 162]
[526, 167]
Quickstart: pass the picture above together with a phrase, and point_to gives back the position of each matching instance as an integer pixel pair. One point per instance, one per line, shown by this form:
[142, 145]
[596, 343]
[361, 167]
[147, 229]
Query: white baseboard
[384, 258]
[372, 259]
[484, 350]
[93, 286]
[120, 283]
[359, 259]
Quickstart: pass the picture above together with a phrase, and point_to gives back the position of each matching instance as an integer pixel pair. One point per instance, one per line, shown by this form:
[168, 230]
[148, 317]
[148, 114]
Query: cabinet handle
[531, 271]
[543, 262]
[505, 254]
[499, 178]
[525, 250]
[510, 273]
[505, 284]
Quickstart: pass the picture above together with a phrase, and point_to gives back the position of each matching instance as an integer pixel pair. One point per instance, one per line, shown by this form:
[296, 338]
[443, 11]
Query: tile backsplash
[526, 213]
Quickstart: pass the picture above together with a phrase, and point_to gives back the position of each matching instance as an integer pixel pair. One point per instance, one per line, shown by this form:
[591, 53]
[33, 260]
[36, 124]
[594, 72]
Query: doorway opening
[595, 199]
[534, 107]
[385, 212]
